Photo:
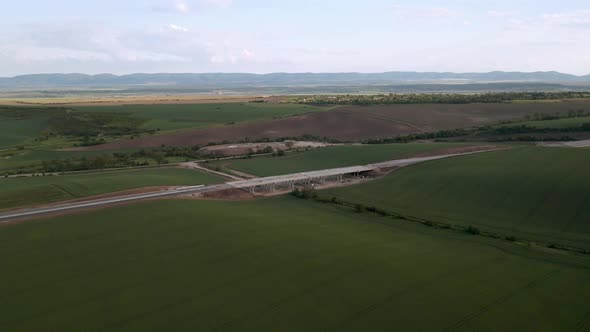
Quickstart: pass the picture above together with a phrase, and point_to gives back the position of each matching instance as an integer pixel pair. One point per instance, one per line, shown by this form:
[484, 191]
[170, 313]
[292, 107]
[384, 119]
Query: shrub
[359, 208]
[472, 230]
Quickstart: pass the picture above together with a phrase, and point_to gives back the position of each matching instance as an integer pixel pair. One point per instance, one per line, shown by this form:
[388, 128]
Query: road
[573, 144]
[46, 210]
[16, 215]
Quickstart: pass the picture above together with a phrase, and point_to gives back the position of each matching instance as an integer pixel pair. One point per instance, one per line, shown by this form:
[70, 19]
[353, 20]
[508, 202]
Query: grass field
[14, 132]
[174, 117]
[280, 264]
[331, 157]
[532, 193]
[16, 192]
[13, 159]
[21, 125]
[559, 123]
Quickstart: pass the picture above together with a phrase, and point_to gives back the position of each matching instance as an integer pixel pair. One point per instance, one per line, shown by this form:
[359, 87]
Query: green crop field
[280, 264]
[16, 192]
[331, 157]
[173, 117]
[15, 132]
[559, 123]
[533, 193]
[20, 125]
[14, 159]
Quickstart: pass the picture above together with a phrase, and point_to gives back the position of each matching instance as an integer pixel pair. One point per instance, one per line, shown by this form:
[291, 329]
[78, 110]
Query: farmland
[175, 117]
[557, 123]
[242, 266]
[17, 192]
[533, 193]
[357, 123]
[332, 157]
[24, 124]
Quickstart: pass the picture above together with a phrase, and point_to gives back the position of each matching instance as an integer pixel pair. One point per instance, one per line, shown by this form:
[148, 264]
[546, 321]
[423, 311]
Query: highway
[49, 209]
[15, 215]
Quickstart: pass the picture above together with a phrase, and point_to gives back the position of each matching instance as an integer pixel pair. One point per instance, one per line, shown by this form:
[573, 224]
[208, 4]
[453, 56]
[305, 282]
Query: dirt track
[355, 123]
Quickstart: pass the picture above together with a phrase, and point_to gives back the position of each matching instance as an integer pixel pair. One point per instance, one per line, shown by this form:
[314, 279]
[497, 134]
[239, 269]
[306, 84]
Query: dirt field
[356, 123]
[226, 150]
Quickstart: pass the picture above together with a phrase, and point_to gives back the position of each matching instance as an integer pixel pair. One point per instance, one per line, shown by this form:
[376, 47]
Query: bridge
[290, 181]
[259, 185]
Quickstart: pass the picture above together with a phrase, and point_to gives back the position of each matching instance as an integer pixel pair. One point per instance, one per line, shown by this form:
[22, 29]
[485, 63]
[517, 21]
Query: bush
[359, 208]
[472, 230]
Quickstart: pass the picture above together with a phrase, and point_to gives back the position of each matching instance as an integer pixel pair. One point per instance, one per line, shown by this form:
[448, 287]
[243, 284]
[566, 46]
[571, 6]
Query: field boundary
[360, 208]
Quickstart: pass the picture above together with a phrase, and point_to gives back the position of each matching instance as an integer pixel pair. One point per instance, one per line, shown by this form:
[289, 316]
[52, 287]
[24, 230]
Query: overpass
[258, 185]
[290, 181]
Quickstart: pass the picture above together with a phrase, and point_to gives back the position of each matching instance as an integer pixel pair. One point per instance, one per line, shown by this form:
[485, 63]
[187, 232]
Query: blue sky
[261, 36]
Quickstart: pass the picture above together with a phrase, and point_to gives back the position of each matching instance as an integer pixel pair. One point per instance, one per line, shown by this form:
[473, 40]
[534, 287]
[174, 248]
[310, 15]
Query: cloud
[175, 27]
[417, 12]
[501, 13]
[88, 43]
[172, 6]
[579, 18]
[181, 6]
[218, 3]
[187, 6]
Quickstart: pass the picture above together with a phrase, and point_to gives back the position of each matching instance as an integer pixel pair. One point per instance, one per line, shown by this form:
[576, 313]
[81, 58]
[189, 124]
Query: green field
[16, 192]
[280, 264]
[531, 193]
[558, 123]
[21, 125]
[14, 159]
[15, 132]
[331, 157]
[174, 117]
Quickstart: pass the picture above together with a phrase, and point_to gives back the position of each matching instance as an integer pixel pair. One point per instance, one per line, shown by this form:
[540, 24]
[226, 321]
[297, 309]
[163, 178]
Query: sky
[263, 36]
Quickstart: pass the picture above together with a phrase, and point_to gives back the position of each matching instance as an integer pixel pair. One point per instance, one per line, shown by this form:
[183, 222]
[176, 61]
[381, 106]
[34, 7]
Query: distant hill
[224, 80]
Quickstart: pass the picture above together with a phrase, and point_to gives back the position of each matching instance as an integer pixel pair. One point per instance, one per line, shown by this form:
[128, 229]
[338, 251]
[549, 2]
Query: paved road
[573, 144]
[46, 210]
[40, 211]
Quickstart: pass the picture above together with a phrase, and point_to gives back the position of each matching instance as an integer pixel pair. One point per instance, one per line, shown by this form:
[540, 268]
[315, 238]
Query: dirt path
[195, 165]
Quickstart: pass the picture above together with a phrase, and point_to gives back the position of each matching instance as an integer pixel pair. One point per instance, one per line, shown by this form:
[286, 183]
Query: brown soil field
[227, 194]
[356, 123]
[228, 150]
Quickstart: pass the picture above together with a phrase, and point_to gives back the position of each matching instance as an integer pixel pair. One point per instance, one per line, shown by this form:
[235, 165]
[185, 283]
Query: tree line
[442, 98]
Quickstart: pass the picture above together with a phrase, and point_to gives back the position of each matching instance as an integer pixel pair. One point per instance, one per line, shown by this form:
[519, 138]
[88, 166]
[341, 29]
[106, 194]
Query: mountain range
[224, 80]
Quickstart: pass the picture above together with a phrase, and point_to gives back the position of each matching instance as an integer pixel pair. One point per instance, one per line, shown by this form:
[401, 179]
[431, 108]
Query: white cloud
[417, 12]
[501, 13]
[181, 6]
[219, 3]
[579, 18]
[178, 28]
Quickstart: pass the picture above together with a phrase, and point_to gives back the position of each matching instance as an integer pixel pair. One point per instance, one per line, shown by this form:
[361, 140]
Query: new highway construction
[270, 184]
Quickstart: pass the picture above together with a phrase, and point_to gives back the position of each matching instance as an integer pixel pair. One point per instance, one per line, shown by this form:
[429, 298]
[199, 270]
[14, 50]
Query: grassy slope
[532, 192]
[13, 159]
[16, 192]
[173, 117]
[330, 157]
[276, 265]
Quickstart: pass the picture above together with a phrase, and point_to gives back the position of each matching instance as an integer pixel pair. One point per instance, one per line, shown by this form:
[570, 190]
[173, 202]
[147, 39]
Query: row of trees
[380, 99]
